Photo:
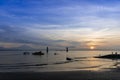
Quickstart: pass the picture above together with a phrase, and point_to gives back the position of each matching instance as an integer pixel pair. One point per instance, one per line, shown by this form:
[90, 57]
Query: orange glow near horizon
[92, 47]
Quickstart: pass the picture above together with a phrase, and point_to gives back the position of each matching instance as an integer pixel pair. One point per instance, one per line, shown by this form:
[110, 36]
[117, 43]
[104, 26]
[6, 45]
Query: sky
[76, 24]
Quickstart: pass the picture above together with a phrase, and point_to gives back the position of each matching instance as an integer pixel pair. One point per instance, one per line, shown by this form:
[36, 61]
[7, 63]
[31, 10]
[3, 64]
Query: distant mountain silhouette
[2, 48]
[23, 47]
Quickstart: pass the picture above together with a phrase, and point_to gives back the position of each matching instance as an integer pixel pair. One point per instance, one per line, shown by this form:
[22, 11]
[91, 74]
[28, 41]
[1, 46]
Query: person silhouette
[66, 49]
[47, 49]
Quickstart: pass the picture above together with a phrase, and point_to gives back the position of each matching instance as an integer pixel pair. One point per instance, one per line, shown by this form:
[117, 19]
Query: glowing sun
[92, 47]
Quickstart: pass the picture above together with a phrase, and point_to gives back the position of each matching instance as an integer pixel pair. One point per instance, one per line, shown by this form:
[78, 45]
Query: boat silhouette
[38, 53]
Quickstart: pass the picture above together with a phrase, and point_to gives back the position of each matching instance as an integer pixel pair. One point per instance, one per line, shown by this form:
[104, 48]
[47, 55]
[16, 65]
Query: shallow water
[12, 61]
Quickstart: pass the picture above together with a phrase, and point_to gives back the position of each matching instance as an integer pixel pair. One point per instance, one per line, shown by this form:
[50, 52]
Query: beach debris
[55, 53]
[38, 53]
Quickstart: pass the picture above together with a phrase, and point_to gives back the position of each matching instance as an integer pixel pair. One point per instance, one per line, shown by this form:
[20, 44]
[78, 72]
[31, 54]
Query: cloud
[20, 36]
[60, 23]
[74, 14]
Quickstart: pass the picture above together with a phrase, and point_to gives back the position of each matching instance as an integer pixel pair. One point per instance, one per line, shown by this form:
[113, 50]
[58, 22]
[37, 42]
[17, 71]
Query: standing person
[47, 49]
[66, 49]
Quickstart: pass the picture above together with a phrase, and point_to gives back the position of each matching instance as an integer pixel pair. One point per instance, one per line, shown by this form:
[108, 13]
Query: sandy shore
[67, 75]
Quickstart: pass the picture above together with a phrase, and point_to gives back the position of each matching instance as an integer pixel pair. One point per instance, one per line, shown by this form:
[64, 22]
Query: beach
[63, 75]
[83, 66]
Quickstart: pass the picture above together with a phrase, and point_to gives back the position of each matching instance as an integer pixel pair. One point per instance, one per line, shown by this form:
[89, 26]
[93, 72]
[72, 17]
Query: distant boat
[110, 56]
[26, 53]
[38, 53]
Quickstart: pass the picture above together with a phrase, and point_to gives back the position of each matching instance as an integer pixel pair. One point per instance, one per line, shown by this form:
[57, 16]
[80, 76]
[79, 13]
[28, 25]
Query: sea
[16, 61]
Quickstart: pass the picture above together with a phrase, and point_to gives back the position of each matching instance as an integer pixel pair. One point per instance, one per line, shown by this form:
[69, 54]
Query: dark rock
[67, 58]
[110, 56]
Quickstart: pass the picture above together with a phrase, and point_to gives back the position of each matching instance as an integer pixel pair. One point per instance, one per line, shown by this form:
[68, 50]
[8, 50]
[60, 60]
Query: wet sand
[64, 75]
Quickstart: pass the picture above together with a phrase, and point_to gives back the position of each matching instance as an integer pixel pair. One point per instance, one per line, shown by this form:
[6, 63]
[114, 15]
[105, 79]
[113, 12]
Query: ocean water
[16, 61]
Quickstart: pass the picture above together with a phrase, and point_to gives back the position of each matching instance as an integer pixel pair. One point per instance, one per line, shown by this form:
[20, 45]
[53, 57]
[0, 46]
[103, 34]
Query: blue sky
[60, 23]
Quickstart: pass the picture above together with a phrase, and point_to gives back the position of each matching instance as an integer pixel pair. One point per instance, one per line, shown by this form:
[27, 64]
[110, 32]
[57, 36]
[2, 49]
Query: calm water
[12, 61]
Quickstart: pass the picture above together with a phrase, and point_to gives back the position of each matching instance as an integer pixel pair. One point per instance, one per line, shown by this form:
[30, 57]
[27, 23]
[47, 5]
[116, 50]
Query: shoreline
[61, 75]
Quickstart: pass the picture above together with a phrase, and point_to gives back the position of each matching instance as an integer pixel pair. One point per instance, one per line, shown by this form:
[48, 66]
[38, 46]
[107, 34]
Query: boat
[38, 53]
[26, 53]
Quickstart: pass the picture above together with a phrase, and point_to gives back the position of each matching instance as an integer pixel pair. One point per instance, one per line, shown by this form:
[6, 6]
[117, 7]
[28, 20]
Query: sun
[92, 47]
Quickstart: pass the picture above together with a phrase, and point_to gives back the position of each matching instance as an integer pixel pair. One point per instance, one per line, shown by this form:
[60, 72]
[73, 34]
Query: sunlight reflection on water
[81, 60]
